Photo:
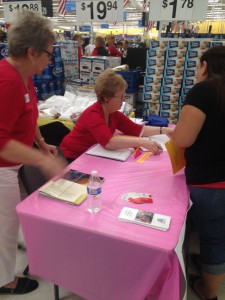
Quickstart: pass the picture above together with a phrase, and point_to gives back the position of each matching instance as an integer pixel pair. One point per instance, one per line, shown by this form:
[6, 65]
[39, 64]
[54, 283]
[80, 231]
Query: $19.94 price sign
[10, 8]
[180, 10]
[99, 11]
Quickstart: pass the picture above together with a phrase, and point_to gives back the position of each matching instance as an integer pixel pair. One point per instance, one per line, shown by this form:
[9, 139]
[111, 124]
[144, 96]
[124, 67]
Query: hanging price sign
[180, 10]
[99, 11]
[10, 8]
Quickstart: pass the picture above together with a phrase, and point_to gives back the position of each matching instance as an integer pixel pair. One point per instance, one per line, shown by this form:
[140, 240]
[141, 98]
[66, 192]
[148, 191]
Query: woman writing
[30, 39]
[98, 123]
[203, 117]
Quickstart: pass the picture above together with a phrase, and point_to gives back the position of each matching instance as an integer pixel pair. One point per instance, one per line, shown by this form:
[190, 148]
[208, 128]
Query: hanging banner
[10, 8]
[99, 11]
[177, 10]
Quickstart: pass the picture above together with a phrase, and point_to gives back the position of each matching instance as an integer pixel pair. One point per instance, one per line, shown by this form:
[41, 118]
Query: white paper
[121, 155]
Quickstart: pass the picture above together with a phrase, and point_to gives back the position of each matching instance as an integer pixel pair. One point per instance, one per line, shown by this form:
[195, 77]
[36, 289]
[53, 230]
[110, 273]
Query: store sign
[105, 26]
[10, 8]
[47, 8]
[70, 6]
[99, 11]
[140, 23]
[86, 28]
[180, 10]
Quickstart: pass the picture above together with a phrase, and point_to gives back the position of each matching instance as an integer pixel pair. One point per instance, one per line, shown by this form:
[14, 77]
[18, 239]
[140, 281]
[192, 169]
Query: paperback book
[145, 218]
[71, 187]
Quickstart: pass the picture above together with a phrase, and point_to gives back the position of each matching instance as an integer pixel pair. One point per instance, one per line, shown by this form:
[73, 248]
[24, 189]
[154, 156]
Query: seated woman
[100, 49]
[98, 123]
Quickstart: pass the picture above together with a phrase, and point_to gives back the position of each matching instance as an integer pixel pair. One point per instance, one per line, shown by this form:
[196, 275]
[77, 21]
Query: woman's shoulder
[205, 84]
[8, 72]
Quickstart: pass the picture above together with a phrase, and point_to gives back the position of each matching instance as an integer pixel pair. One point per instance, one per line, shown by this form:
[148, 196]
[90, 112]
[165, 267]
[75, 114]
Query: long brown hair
[215, 58]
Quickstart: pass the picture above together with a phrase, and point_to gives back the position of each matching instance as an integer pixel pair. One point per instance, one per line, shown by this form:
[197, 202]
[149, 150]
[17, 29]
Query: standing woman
[200, 130]
[30, 39]
[78, 38]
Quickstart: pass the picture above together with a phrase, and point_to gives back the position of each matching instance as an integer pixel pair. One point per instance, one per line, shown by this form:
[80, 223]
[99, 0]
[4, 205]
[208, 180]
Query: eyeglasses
[121, 97]
[50, 55]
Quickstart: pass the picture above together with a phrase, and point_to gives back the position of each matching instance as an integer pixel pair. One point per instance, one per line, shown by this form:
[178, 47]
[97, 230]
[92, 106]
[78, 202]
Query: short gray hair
[29, 30]
[108, 83]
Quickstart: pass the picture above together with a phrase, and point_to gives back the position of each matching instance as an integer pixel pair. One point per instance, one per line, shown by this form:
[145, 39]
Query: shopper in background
[78, 38]
[113, 51]
[30, 39]
[98, 123]
[100, 49]
[124, 52]
[88, 47]
[3, 36]
[202, 118]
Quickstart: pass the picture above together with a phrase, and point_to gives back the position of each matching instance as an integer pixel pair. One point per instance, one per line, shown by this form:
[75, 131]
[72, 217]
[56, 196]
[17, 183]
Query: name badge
[27, 98]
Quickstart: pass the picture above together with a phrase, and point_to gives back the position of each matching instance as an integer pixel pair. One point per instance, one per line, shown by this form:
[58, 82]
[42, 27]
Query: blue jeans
[208, 212]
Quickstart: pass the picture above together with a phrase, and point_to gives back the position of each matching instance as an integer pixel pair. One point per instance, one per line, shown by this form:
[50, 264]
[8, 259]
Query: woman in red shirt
[31, 50]
[98, 123]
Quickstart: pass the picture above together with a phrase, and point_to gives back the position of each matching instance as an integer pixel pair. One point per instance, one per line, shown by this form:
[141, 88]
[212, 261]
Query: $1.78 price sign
[99, 11]
[180, 10]
[10, 8]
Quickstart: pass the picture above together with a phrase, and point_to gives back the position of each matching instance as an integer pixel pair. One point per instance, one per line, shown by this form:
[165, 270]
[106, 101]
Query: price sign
[99, 11]
[10, 8]
[47, 8]
[180, 10]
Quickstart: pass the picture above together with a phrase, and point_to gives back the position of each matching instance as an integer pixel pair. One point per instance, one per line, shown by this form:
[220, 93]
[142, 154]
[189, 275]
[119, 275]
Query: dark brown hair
[215, 58]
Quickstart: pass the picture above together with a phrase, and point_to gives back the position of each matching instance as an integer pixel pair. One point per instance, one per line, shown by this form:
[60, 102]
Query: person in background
[85, 43]
[113, 51]
[30, 50]
[3, 36]
[78, 38]
[203, 117]
[100, 49]
[88, 48]
[98, 123]
[124, 52]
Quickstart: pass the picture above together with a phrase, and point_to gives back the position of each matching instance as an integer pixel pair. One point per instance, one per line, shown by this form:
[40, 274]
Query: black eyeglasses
[50, 55]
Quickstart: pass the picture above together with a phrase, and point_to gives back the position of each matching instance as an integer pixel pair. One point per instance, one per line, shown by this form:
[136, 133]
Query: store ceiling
[216, 10]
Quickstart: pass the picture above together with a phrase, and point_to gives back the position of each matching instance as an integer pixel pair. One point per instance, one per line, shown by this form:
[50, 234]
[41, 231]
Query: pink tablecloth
[99, 257]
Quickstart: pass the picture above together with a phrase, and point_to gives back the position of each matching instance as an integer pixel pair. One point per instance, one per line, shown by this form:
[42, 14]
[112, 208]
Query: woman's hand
[154, 147]
[47, 149]
[52, 166]
[168, 131]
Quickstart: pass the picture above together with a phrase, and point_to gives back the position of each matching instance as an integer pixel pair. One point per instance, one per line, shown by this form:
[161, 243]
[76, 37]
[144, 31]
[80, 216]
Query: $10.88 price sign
[99, 11]
[180, 10]
[10, 8]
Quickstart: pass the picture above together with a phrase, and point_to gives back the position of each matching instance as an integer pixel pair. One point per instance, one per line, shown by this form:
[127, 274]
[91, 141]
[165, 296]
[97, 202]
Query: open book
[145, 218]
[71, 187]
[176, 155]
[121, 155]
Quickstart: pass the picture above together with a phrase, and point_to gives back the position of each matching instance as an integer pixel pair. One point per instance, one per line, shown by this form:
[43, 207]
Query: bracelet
[160, 130]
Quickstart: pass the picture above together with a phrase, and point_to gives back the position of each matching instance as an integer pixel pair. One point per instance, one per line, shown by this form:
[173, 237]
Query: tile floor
[46, 290]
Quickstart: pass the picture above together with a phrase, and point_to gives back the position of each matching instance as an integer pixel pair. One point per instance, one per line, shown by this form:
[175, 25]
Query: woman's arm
[42, 145]
[188, 127]
[17, 152]
[152, 130]
[122, 142]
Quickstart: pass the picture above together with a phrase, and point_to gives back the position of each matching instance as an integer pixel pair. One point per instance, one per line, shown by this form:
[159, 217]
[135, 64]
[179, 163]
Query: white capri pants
[9, 222]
